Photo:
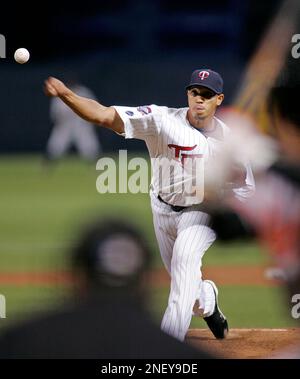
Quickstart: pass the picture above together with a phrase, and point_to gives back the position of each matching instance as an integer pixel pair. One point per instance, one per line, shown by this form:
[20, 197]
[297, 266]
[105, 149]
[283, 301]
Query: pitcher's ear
[220, 99]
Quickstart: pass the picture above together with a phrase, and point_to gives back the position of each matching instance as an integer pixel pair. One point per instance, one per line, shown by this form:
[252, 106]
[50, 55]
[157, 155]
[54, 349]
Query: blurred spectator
[69, 130]
[109, 317]
[273, 214]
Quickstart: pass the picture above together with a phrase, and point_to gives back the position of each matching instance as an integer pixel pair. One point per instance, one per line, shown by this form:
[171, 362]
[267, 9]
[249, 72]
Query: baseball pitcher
[180, 143]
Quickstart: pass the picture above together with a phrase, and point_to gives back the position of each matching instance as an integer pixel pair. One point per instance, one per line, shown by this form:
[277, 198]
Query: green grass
[235, 253]
[42, 210]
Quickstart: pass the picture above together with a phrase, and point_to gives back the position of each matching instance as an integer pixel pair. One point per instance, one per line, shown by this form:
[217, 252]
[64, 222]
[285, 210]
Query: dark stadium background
[128, 52]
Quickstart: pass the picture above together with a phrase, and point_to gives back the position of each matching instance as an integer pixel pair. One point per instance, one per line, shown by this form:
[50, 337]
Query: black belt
[175, 208]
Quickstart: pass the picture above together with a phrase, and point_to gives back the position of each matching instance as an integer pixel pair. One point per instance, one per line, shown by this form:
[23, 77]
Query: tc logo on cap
[206, 77]
[203, 75]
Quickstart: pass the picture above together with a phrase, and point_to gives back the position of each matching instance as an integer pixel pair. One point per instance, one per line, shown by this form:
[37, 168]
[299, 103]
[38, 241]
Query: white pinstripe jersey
[171, 138]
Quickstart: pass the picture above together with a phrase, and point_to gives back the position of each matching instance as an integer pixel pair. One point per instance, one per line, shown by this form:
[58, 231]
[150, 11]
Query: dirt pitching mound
[249, 343]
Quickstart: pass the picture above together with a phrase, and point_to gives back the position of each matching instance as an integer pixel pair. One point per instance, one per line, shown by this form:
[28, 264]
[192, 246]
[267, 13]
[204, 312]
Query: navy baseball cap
[207, 78]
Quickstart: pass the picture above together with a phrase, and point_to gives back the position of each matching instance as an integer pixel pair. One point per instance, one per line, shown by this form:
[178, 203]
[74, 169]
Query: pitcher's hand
[54, 87]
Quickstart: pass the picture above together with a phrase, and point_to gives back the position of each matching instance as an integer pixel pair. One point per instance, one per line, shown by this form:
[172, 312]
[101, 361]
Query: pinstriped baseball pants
[183, 237]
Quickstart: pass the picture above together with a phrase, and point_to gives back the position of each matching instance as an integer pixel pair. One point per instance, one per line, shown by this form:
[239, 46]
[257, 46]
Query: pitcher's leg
[164, 238]
[205, 301]
[190, 245]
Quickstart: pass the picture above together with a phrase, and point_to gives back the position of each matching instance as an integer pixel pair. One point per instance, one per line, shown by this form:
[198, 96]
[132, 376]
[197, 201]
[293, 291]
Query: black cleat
[217, 322]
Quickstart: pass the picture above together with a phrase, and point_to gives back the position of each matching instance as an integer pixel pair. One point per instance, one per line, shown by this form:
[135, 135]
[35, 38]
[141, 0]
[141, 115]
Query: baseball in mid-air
[21, 55]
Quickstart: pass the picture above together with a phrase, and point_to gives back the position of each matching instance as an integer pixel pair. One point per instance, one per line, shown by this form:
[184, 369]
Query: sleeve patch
[144, 110]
